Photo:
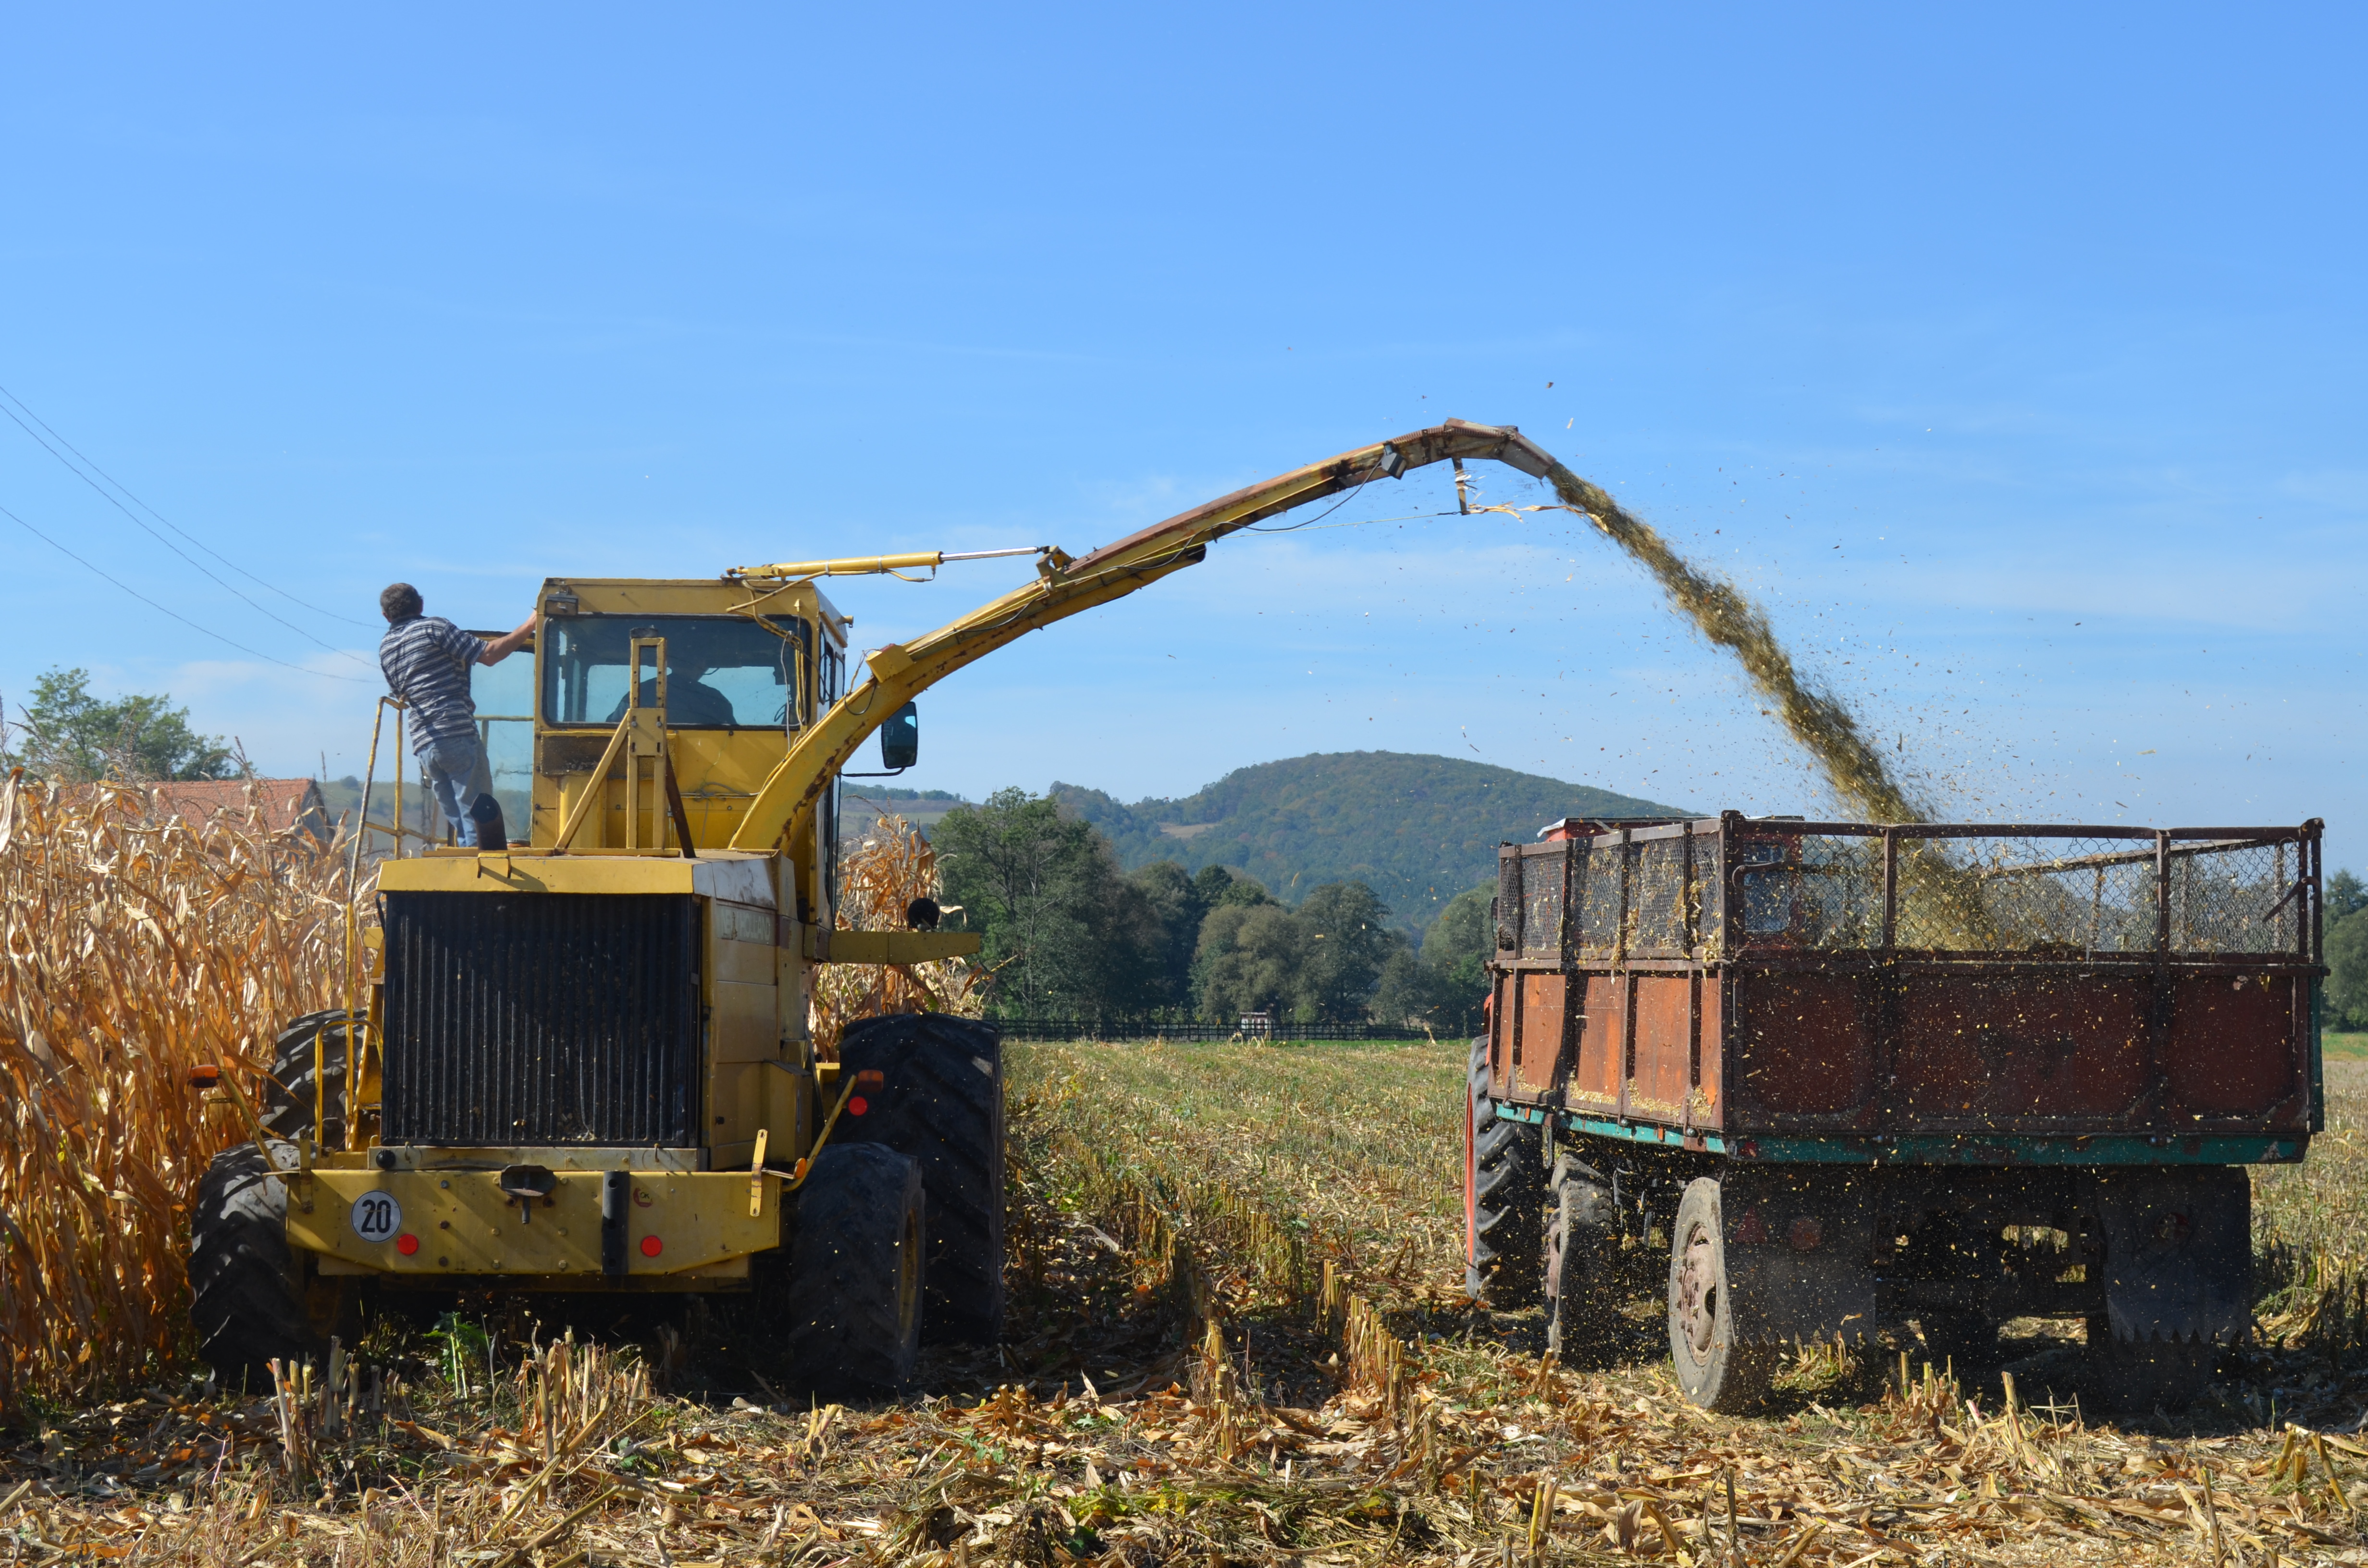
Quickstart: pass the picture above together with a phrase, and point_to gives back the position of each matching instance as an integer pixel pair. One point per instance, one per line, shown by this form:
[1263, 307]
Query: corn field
[134, 945]
[878, 882]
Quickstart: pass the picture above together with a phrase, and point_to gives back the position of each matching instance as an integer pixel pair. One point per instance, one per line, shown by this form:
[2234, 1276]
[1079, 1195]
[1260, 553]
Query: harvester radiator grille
[540, 1019]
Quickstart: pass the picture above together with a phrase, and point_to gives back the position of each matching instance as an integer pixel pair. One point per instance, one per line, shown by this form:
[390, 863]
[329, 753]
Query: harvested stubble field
[1157, 1191]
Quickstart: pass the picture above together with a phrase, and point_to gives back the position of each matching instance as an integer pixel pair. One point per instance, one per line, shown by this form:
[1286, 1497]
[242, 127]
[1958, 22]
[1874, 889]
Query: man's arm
[509, 643]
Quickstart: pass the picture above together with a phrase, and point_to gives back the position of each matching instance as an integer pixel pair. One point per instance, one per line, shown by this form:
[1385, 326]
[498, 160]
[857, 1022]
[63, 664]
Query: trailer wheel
[1504, 1198]
[2132, 1378]
[1959, 1340]
[252, 1297]
[1581, 1256]
[1713, 1369]
[852, 1299]
[940, 1101]
[287, 1108]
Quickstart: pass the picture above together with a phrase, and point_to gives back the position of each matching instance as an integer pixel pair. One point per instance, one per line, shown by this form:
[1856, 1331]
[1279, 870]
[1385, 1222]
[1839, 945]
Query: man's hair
[400, 601]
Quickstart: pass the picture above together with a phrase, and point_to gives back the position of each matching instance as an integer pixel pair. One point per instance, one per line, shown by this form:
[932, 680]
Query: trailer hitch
[524, 1184]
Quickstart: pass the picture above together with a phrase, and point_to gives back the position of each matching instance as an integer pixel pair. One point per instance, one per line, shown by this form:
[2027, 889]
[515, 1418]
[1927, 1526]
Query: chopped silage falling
[1819, 722]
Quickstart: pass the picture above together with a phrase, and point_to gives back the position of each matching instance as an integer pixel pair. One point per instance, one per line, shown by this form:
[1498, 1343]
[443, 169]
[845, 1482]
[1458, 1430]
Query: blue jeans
[457, 773]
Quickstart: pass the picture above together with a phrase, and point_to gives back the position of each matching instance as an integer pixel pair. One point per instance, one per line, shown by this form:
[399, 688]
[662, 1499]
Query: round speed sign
[377, 1216]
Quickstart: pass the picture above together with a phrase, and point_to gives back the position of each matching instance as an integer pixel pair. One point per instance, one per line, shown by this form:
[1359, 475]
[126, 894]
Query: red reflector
[857, 1106]
[406, 1243]
[652, 1246]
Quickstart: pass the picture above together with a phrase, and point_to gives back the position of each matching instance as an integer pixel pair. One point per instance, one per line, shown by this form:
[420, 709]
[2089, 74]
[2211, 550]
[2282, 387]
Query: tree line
[66, 734]
[1070, 935]
[2346, 935]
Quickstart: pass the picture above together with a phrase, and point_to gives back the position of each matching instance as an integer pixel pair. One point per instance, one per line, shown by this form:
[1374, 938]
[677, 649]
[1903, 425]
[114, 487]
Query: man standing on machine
[427, 661]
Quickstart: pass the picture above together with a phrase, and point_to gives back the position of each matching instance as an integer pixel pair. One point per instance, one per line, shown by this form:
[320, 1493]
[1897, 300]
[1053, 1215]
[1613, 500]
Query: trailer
[1856, 1077]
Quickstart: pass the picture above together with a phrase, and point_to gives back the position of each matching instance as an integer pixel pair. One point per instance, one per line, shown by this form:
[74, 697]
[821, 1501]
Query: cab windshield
[723, 672]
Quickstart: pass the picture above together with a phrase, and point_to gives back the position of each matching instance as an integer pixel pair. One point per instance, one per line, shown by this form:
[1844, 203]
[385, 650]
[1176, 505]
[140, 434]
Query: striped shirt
[427, 660]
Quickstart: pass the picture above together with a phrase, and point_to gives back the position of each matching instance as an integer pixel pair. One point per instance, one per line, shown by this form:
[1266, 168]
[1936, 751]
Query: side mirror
[900, 739]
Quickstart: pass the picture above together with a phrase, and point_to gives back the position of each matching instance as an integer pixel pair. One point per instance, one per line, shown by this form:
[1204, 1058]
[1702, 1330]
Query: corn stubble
[133, 946]
[1242, 1350]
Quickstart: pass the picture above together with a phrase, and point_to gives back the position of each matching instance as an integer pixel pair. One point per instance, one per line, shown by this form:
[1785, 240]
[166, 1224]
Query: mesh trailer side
[1542, 871]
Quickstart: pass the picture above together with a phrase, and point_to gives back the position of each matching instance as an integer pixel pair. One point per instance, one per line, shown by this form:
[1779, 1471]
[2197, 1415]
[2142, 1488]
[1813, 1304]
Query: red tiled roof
[285, 803]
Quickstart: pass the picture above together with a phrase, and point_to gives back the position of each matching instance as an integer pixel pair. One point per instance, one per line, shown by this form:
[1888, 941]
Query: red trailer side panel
[1602, 1045]
[1664, 1046]
[2219, 1057]
[1710, 1094]
[1801, 1046]
[1973, 1052]
[1542, 1031]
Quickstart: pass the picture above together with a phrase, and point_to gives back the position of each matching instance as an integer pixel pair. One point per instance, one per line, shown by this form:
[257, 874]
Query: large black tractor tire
[2136, 1378]
[287, 1109]
[1715, 1370]
[252, 1298]
[1582, 1258]
[939, 1099]
[1962, 1342]
[1504, 1198]
[857, 1267]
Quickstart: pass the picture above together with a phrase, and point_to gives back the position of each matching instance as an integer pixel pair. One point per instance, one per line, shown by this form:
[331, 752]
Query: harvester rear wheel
[287, 1108]
[253, 1298]
[940, 1101]
[1715, 1368]
[852, 1299]
[1582, 1255]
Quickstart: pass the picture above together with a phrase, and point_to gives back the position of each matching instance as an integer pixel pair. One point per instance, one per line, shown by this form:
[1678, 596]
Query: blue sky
[2011, 356]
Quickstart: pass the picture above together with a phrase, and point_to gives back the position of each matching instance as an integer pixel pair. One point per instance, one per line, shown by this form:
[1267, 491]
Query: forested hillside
[1417, 830]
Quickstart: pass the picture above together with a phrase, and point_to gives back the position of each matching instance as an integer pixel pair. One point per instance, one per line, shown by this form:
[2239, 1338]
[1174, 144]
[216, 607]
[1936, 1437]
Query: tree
[2346, 895]
[1348, 940]
[1222, 885]
[1410, 992]
[1066, 935]
[1456, 948]
[1181, 902]
[2345, 1000]
[1253, 958]
[73, 737]
[1314, 964]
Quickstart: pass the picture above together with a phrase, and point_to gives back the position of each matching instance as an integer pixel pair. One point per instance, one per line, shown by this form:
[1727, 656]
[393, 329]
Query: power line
[160, 539]
[159, 517]
[152, 604]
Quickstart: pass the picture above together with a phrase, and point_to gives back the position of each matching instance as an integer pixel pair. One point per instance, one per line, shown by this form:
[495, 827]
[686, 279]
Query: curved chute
[1063, 587]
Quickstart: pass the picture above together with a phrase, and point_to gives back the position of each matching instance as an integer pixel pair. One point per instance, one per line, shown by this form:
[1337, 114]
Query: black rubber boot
[488, 816]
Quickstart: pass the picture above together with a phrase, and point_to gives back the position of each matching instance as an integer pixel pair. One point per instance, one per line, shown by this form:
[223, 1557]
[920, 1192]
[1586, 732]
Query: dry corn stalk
[878, 882]
[135, 945]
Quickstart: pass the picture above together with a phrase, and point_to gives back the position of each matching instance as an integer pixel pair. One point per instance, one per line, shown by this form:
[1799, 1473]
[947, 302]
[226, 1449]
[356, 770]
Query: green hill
[1418, 830]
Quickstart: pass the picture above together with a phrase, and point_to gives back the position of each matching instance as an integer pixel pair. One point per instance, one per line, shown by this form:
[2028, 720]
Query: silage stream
[1818, 720]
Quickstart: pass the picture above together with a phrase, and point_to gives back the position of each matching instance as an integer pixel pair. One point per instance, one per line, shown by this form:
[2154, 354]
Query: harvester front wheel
[1581, 1257]
[1715, 1368]
[252, 1298]
[1504, 1198]
[939, 1099]
[857, 1267]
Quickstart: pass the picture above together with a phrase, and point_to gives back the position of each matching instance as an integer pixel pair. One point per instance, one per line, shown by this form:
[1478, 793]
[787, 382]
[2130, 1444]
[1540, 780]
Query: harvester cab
[583, 1063]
